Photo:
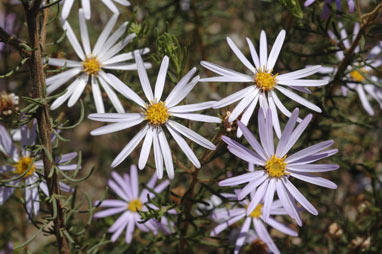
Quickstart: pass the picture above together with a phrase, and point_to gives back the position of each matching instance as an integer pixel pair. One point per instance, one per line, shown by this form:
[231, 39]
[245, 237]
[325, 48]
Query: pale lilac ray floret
[93, 65]
[157, 114]
[130, 202]
[25, 168]
[264, 82]
[68, 4]
[326, 9]
[279, 167]
[361, 77]
[228, 216]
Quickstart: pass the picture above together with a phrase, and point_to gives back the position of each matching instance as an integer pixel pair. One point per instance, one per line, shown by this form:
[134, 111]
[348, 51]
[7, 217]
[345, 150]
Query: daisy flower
[94, 62]
[24, 163]
[156, 114]
[68, 4]
[127, 188]
[279, 167]
[256, 218]
[326, 9]
[355, 77]
[264, 82]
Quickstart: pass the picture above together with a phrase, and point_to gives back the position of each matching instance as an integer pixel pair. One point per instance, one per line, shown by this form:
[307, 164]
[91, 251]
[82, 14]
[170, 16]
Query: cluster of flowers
[255, 202]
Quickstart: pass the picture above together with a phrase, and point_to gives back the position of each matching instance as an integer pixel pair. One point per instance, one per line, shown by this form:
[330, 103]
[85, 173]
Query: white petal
[197, 117]
[97, 96]
[301, 73]
[129, 147]
[124, 89]
[144, 79]
[299, 197]
[166, 152]
[116, 127]
[180, 86]
[254, 55]
[243, 104]
[240, 55]
[86, 7]
[115, 117]
[192, 135]
[66, 8]
[145, 150]
[275, 51]
[184, 146]
[315, 180]
[161, 79]
[221, 70]
[83, 80]
[233, 97]
[263, 50]
[181, 94]
[303, 82]
[298, 99]
[247, 115]
[112, 96]
[73, 40]
[158, 155]
[192, 107]
[104, 35]
[64, 62]
[84, 32]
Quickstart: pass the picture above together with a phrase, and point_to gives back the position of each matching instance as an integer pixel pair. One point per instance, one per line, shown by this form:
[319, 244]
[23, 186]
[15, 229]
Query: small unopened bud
[9, 103]
[335, 230]
[257, 246]
[227, 125]
[361, 242]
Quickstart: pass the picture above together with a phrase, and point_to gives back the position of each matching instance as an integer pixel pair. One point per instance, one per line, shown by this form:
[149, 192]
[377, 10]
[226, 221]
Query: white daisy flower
[68, 4]
[156, 114]
[22, 161]
[127, 188]
[265, 82]
[94, 62]
[255, 217]
[279, 167]
[356, 77]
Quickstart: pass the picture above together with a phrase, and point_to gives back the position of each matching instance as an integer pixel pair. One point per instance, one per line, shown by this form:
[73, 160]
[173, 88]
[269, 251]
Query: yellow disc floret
[357, 76]
[256, 213]
[135, 205]
[91, 65]
[23, 165]
[276, 166]
[265, 80]
[157, 113]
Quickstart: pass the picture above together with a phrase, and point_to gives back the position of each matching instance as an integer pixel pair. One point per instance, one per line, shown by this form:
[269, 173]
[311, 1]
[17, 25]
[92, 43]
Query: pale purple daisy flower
[127, 188]
[326, 9]
[264, 82]
[355, 78]
[229, 216]
[157, 114]
[68, 4]
[93, 65]
[279, 167]
[22, 161]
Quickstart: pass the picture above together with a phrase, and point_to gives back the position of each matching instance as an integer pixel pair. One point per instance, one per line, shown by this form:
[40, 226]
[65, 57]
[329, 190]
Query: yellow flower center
[256, 213]
[357, 76]
[23, 165]
[264, 80]
[135, 205]
[157, 113]
[276, 166]
[91, 65]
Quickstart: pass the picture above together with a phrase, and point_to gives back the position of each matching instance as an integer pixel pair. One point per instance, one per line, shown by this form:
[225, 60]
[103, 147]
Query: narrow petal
[242, 235]
[309, 151]
[158, 156]
[275, 51]
[116, 127]
[129, 147]
[97, 96]
[268, 198]
[144, 79]
[73, 40]
[197, 117]
[166, 152]
[259, 195]
[254, 55]
[184, 146]
[104, 35]
[84, 31]
[315, 180]
[145, 150]
[299, 197]
[298, 99]
[233, 97]
[240, 55]
[161, 79]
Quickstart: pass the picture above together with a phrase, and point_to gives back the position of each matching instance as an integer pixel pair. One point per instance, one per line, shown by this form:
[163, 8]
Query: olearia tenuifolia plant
[172, 142]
